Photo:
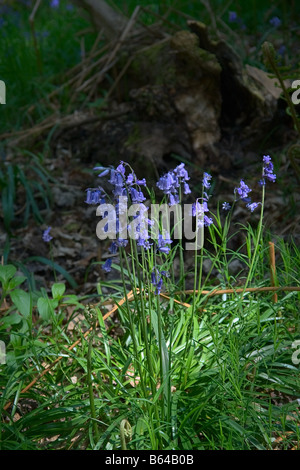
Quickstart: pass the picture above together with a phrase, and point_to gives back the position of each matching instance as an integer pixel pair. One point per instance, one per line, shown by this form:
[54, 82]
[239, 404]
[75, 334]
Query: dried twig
[241, 290]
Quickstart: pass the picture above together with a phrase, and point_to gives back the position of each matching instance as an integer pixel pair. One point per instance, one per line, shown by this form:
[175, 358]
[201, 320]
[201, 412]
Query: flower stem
[131, 323]
[90, 386]
[257, 241]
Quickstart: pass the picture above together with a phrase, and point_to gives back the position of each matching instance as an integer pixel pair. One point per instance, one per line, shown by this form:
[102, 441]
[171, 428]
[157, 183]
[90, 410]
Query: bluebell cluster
[268, 169]
[126, 184]
[243, 190]
[172, 181]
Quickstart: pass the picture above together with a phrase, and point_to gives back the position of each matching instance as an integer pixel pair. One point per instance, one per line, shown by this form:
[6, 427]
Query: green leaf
[58, 290]
[22, 301]
[6, 273]
[105, 337]
[12, 319]
[44, 308]
[139, 433]
[71, 299]
[15, 281]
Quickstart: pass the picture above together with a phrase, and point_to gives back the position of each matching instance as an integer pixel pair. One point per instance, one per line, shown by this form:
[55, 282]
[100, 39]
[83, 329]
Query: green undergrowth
[239, 363]
[176, 372]
[220, 372]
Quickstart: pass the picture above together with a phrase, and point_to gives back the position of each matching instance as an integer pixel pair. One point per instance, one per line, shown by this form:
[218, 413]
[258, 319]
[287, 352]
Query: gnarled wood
[104, 17]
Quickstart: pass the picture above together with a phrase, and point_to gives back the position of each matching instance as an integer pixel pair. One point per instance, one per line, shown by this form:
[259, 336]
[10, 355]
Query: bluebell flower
[226, 206]
[157, 282]
[46, 235]
[54, 3]
[243, 190]
[163, 243]
[121, 169]
[116, 178]
[119, 191]
[197, 209]
[130, 179]
[157, 279]
[141, 182]
[107, 265]
[173, 199]
[186, 188]
[206, 179]
[204, 205]
[232, 17]
[268, 169]
[181, 172]
[275, 21]
[253, 206]
[94, 196]
[271, 177]
[104, 171]
[145, 243]
[150, 222]
[207, 220]
[122, 242]
[166, 183]
[136, 196]
[113, 249]
[165, 273]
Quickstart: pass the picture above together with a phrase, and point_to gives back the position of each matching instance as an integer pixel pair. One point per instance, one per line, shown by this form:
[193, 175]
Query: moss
[155, 65]
[186, 48]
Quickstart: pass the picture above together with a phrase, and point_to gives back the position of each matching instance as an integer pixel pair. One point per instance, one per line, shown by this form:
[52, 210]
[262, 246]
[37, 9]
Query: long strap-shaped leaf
[50, 366]
[130, 296]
